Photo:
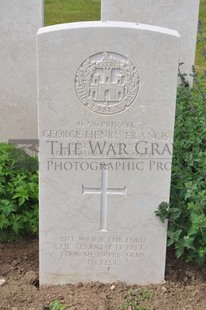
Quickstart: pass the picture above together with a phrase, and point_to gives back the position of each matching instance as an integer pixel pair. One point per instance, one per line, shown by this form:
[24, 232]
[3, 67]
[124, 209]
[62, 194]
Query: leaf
[179, 252]
[174, 235]
[189, 242]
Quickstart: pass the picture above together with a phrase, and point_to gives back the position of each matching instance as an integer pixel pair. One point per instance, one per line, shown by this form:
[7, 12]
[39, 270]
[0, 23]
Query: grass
[65, 11]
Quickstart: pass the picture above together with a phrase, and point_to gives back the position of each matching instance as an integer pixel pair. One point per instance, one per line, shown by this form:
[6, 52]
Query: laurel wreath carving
[84, 79]
[132, 79]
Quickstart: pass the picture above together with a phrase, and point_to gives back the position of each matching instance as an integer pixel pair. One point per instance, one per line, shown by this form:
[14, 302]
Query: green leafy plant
[135, 298]
[18, 194]
[57, 305]
[186, 212]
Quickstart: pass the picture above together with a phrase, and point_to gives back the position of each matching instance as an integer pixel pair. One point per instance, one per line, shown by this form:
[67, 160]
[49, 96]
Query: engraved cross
[104, 191]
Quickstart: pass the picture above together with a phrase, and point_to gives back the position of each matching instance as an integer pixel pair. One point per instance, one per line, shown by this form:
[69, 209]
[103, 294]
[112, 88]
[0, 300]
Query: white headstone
[181, 15]
[19, 23]
[107, 95]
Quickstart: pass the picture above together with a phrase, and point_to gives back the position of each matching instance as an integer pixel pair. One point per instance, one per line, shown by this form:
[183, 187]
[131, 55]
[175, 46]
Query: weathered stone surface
[107, 95]
[19, 23]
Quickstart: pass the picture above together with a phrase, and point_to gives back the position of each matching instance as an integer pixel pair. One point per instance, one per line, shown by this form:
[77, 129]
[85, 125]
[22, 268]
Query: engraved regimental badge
[107, 83]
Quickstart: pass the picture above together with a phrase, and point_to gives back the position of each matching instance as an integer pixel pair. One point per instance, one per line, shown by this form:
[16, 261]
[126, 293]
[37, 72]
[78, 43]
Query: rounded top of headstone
[108, 24]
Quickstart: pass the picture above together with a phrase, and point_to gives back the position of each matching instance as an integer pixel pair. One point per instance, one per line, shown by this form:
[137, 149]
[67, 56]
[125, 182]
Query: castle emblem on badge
[107, 83]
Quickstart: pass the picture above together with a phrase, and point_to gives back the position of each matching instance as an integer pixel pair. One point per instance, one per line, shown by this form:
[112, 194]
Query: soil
[185, 286]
